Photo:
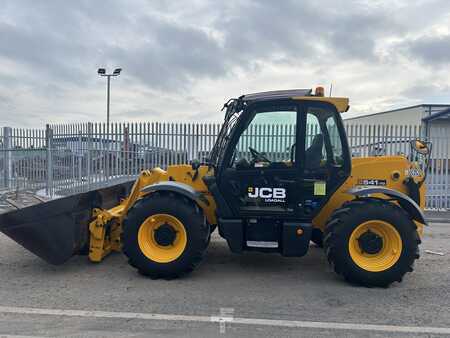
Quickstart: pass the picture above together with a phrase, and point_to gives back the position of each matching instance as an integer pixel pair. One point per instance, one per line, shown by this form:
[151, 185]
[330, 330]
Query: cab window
[268, 140]
[335, 140]
[314, 142]
[323, 142]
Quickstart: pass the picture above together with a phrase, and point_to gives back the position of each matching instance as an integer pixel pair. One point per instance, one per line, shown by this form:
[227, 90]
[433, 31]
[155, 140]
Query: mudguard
[177, 187]
[405, 201]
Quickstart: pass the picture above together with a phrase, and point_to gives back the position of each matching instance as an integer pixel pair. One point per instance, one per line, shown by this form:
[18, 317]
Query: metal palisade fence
[65, 159]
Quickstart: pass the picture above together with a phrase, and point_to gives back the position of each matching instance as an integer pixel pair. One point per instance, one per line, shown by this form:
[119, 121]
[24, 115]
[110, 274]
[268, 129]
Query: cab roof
[341, 103]
[277, 94]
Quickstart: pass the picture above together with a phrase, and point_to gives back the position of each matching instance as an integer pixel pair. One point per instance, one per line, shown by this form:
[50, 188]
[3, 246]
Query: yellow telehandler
[280, 175]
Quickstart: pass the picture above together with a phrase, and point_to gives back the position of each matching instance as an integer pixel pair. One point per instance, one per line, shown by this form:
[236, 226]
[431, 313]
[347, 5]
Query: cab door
[262, 175]
[327, 162]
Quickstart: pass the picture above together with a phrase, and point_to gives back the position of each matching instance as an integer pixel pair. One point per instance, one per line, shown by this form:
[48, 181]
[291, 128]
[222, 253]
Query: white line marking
[218, 319]
[16, 336]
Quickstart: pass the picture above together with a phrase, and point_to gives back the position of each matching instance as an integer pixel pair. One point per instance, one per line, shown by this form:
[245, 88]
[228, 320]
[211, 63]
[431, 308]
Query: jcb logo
[275, 193]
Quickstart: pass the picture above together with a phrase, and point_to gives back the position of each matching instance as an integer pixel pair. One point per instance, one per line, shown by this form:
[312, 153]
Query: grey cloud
[170, 55]
[164, 48]
[149, 113]
[354, 34]
[425, 89]
[59, 39]
[431, 50]
[41, 54]
[304, 30]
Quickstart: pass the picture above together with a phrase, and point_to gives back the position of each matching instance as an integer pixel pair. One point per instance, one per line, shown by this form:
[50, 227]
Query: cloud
[170, 55]
[425, 88]
[182, 62]
[432, 50]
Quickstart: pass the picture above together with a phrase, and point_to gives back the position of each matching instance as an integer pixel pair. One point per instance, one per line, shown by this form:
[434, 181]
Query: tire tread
[132, 224]
[347, 216]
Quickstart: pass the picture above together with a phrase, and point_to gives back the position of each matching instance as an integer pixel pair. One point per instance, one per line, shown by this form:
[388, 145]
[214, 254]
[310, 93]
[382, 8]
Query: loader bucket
[58, 229]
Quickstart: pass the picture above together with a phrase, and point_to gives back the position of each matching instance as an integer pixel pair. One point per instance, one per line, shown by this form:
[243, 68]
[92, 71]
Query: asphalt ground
[437, 216]
[227, 296]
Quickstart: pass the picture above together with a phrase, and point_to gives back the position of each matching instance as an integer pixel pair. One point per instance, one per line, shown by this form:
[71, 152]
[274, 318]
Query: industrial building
[433, 118]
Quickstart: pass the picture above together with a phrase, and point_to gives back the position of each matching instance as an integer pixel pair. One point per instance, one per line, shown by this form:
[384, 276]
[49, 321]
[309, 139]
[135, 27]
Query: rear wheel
[165, 235]
[371, 242]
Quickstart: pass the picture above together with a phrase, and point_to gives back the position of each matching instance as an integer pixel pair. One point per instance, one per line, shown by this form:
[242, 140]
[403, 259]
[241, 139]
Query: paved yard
[267, 295]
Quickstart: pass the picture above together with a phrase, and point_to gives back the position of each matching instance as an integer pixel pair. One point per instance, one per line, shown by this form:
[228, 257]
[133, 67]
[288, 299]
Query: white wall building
[433, 118]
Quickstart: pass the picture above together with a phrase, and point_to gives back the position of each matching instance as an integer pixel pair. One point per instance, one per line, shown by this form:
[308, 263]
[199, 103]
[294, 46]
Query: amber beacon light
[319, 91]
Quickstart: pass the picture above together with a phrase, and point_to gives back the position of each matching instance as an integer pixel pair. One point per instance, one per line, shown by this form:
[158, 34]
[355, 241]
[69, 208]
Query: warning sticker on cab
[320, 188]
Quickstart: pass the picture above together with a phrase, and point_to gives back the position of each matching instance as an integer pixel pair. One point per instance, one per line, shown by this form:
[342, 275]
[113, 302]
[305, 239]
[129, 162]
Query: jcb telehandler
[265, 189]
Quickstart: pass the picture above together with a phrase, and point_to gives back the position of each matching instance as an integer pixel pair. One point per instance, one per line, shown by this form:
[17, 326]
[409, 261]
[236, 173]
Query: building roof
[399, 109]
[443, 114]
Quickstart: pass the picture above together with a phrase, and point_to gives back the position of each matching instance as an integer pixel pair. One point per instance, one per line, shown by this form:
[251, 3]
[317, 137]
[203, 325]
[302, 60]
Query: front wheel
[371, 242]
[165, 235]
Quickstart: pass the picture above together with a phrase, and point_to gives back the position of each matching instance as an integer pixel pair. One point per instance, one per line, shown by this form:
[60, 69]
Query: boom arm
[106, 227]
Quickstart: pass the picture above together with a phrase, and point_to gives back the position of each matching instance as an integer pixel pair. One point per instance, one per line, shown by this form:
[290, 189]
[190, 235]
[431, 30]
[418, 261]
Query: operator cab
[278, 159]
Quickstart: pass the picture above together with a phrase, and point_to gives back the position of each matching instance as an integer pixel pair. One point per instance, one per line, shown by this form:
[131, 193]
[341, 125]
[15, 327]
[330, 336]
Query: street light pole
[102, 72]
[107, 99]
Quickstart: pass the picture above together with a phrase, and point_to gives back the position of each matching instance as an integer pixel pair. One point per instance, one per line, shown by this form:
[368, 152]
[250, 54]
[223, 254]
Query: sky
[182, 60]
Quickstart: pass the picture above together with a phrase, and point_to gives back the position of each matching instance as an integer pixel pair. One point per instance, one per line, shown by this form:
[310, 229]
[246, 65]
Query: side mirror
[420, 146]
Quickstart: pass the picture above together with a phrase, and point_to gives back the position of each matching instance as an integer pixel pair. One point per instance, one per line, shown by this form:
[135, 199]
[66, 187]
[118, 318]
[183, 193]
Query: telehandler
[267, 189]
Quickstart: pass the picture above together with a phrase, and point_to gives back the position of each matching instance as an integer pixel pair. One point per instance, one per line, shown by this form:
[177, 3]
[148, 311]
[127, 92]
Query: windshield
[234, 109]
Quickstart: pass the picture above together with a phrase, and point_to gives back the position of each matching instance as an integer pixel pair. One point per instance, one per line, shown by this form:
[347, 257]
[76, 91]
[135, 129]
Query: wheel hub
[165, 235]
[370, 242]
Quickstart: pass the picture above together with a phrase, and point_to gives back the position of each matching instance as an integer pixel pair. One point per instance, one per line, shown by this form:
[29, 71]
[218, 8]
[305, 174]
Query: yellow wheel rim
[148, 240]
[387, 255]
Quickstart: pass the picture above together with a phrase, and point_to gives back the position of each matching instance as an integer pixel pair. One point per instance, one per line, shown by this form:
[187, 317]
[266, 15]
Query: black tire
[345, 220]
[183, 209]
[317, 237]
